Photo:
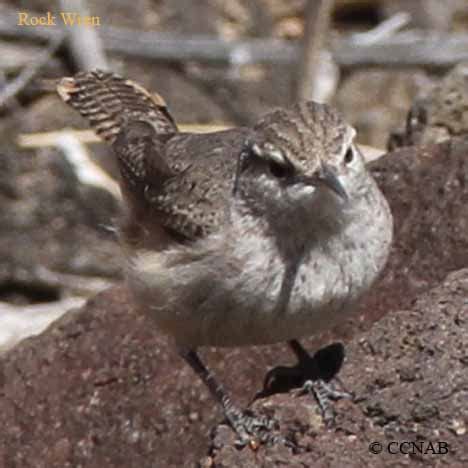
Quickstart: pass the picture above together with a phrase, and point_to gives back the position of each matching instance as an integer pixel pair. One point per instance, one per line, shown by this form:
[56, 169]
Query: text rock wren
[247, 236]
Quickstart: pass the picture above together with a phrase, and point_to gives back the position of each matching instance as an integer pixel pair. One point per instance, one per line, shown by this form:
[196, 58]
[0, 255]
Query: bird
[246, 236]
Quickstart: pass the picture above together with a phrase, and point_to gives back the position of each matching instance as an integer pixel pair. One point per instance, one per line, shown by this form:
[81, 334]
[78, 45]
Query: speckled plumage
[244, 237]
[232, 226]
[184, 179]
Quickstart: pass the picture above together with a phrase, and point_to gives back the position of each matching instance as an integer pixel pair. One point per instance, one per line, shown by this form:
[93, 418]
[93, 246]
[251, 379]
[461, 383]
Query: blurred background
[216, 63]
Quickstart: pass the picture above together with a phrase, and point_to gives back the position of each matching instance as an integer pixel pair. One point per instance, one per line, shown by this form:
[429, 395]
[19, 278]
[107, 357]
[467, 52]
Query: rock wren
[248, 236]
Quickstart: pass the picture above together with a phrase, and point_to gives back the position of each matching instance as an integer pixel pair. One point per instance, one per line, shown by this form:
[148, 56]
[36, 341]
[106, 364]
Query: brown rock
[100, 388]
[50, 222]
[427, 188]
[376, 100]
[439, 113]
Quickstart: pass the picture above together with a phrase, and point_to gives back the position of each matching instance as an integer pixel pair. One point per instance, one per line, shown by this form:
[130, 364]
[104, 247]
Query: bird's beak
[327, 177]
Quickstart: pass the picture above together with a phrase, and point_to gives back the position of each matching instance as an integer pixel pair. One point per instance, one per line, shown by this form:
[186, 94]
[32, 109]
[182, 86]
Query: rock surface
[102, 388]
[427, 188]
[410, 375]
[437, 114]
[50, 224]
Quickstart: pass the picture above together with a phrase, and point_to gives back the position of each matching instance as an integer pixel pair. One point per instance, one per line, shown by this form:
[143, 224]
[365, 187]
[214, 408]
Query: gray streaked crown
[305, 133]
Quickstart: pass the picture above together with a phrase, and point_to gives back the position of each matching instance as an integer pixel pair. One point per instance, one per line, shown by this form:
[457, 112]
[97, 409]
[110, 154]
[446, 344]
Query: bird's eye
[277, 162]
[349, 155]
[278, 170]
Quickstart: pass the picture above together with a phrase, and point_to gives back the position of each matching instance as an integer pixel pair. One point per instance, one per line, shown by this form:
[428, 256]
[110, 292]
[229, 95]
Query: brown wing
[178, 182]
[195, 201]
[184, 183]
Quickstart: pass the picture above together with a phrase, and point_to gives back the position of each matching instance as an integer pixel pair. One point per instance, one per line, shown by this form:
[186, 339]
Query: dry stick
[85, 169]
[78, 285]
[385, 29]
[45, 139]
[17, 55]
[84, 42]
[403, 50]
[26, 75]
[12, 102]
[400, 50]
[317, 22]
[161, 46]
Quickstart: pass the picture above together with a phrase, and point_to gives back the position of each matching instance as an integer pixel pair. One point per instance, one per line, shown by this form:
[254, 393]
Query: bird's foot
[251, 430]
[313, 375]
[323, 365]
[254, 430]
[323, 392]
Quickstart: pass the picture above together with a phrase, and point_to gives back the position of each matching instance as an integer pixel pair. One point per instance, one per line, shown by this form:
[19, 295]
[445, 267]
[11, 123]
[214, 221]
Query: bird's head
[301, 162]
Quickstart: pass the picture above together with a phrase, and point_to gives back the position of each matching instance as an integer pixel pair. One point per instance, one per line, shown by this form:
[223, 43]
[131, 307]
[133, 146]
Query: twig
[401, 50]
[44, 139]
[407, 49]
[86, 170]
[71, 143]
[78, 285]
[161, 46]
[17, 55]
[317, 21]
[84, 42]
[28, 73]
[12, 102]
[384, 30]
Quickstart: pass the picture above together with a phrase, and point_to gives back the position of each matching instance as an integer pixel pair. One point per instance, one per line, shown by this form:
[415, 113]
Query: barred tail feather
[110, 102]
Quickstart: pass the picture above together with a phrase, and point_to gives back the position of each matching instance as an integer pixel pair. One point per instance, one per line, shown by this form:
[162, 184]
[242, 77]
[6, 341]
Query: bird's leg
[249, 429]
[322, 391]
[309, 373]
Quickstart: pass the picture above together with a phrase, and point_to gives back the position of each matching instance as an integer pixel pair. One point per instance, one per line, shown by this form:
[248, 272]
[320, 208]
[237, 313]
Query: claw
[323, 393]
[255, 431]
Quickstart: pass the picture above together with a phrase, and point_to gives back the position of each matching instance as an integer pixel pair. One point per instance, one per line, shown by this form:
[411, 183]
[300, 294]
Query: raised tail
[137, 124]
[111, 103]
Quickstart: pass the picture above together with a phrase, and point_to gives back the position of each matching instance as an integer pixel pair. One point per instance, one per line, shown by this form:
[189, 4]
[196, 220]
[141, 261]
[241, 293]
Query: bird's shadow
[324, 364]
